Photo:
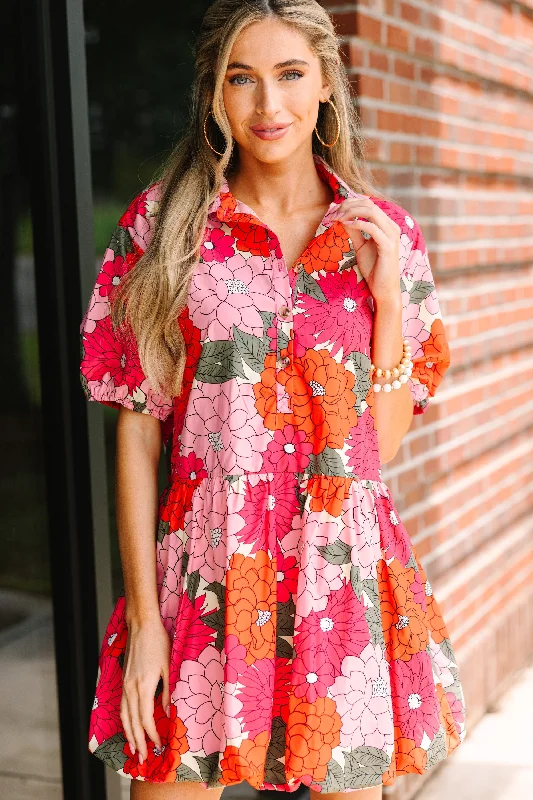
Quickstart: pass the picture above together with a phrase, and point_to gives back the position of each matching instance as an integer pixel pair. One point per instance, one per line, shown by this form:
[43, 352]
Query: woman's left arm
[378, 258]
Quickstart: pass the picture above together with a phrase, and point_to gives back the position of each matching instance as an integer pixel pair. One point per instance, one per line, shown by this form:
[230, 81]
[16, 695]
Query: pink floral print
[307, 646]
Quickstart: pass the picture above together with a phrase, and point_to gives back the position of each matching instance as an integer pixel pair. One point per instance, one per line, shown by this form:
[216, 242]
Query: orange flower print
[430, 370]
[404, 622]
[160, 766]
[246, 762]
[326, 250]
[434, 618]
[265, 397]
[407, 757]
[312, 733]
[252, 604]
[322, 398]
[328, 493]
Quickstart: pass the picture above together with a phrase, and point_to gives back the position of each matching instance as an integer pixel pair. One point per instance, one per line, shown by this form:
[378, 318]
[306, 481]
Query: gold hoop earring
[205, 134]
[338, 126]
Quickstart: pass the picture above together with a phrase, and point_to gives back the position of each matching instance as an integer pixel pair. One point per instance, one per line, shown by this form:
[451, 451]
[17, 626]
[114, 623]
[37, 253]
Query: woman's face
[272, 89]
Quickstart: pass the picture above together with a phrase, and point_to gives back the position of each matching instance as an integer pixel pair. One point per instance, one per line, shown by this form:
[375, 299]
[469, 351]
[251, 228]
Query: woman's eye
[233, 79]
[240, 80]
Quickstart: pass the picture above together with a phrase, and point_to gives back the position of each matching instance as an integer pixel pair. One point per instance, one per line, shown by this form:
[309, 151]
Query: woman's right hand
[146, 660]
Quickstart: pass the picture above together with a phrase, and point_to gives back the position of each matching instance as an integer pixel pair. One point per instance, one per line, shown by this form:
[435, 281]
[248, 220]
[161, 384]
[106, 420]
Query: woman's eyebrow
[292, 62]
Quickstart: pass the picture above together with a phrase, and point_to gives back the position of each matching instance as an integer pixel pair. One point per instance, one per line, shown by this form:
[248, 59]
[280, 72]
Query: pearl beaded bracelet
[400, 373]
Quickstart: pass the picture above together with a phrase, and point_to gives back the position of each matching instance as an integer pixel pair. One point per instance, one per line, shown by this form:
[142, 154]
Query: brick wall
[445, 94]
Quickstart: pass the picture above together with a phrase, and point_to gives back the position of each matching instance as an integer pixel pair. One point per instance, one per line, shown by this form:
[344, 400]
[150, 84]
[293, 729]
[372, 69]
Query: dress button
[284, 312]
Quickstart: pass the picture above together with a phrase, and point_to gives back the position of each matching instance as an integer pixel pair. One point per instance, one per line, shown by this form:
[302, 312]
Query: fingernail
[132, 748]
[167, 710]
[140, 759]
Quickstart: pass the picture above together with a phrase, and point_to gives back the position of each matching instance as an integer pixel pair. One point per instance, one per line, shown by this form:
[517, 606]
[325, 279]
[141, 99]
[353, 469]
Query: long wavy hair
[155, 291]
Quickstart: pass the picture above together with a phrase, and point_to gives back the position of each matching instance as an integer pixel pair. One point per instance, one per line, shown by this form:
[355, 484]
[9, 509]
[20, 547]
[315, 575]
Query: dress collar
[225, 206]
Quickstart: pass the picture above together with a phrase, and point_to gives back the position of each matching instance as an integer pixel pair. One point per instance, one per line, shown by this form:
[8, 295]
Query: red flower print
[191, 636]
[362, 447]
[282, 688]
[217, 246]
[312, 673]
[111, 273]
[106, 351]
[116, 627]
[288, 451]
[161, 765]
[252, 238]
[395, 540]
[345, 319]
[190, 468]
[287, 576]
[338, 631]
[414, 697]
[256, 697]
[269, 508]
[105, 715]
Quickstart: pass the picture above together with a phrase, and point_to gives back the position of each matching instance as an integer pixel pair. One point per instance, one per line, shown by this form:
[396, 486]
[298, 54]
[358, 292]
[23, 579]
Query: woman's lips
[271, 133]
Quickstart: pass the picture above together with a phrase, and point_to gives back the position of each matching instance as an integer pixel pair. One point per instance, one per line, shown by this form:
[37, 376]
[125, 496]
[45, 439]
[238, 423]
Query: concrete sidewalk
[495, 761]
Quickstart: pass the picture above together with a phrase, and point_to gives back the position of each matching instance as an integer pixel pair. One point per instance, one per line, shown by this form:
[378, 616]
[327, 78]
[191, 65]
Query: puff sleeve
[422, 320]
[110, 368]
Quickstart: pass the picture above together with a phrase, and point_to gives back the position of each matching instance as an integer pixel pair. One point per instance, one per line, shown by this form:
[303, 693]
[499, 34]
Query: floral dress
[307, 646]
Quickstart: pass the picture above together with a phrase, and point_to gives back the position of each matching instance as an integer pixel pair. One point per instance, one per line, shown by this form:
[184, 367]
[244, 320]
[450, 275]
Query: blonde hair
[155, 291]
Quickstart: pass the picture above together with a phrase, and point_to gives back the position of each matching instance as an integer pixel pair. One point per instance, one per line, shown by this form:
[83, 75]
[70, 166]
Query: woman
[277, 626]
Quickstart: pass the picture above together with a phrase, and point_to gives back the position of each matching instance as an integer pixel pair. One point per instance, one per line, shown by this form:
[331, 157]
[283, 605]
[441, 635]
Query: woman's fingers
[126, 722]
[135, 717]
[363, 207]
[146, 707]
[165, 695]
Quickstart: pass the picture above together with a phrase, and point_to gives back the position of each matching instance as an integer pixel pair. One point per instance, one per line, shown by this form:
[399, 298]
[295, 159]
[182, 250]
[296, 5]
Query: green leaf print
[285, 618]
[437, 749]
[276, 746]
[111, 752]
[268, 321]
[420, 290]
[193, 581]
[283, 340]
[336, 553]
[375, 626]
[355, 580]
[252, 349]
[162, 530]
[218, 590]
[328, 462]
[334, 780]
[274, 770]
[364, 767]
[209, 768]
[447, 649]
[185, 773]
[306, 284]
[219, 362]
[284, 649]
[361, 366]
[412, 562]
[370, 588]
[139, 406]
[121, 243]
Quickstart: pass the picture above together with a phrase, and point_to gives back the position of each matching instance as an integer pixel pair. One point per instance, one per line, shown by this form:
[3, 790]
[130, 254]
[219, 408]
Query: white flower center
[263, 616]
[215, 440]
[403, 622]
[271, 502]
[209, 245]
[349, 304]
[409, 222]
[95, 704]
[116, 280]
[393, 518]
[280, 576]
[123, 360]
[236, 287]
[414, 700]
[112, 638]
[379, 688]
[216, 536]
[289, 447]
[326, 624]
[311, 677]
[428, 588]
[318, 389]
